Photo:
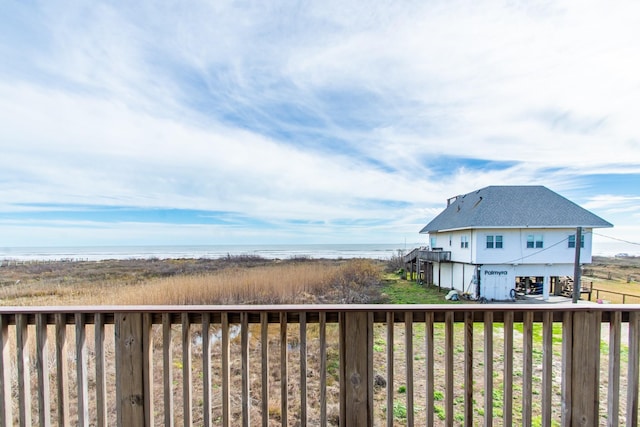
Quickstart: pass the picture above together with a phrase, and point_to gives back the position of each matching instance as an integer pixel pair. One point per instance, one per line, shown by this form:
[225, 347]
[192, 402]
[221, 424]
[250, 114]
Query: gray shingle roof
[513, 206]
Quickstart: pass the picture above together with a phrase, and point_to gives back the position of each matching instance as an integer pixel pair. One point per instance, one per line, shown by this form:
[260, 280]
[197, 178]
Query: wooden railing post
[356, 369]
[6, 414]
[583, 356]
[129, 369]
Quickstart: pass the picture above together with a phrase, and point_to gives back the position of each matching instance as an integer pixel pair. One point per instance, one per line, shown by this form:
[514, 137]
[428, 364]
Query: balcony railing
[434, 255]
[356, 365]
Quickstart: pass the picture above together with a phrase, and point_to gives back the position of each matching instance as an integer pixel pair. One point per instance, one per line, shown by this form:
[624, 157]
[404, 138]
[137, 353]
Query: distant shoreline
[102, 253]
[212, 252]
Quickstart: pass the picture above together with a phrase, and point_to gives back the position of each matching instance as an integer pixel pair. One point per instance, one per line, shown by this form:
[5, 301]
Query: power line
[619, 240]
[538, 252]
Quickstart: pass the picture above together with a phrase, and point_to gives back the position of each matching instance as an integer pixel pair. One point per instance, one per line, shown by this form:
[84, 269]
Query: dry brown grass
[273, 284]
[615, 276]
[171, 282]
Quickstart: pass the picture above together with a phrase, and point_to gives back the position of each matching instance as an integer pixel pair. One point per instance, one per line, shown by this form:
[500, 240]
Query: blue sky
[248, 122]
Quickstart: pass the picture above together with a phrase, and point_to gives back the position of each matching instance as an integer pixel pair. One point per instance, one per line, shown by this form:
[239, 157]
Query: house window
[494, 242]
[534, 241]
[572, 241]
[464, 242]
[433, 242]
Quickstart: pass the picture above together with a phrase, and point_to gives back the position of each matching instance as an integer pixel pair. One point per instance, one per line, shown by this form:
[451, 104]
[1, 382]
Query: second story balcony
[434, 255]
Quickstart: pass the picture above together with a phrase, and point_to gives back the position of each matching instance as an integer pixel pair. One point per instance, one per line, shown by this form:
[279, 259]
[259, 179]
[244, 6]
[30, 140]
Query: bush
[356, 281]
[396, 262]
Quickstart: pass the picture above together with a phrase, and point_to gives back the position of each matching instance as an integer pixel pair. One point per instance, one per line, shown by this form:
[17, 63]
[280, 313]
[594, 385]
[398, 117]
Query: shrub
[355, 282]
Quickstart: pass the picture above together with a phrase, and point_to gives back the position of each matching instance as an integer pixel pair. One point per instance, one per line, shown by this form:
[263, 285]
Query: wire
[538, 252]
[619, 240]
[545, 249]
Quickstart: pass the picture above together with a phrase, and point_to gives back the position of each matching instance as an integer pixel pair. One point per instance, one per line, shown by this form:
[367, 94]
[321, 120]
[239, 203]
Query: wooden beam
[585, 368]
[129, 363]
[355, 380]
[6, 414]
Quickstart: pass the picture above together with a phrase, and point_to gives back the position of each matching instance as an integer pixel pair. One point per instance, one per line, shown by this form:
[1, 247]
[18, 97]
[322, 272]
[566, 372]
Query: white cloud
[315, 112]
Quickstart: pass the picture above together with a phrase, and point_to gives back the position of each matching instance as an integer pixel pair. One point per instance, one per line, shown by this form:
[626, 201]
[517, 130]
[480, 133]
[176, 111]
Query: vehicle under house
[495, 240]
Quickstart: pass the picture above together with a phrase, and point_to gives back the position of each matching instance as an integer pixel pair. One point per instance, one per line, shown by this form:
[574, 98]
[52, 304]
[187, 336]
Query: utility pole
[576, 267]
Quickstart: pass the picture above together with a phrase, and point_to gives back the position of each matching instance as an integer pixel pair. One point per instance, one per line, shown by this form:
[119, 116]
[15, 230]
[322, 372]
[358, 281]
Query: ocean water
[317, 251]
[98, 253]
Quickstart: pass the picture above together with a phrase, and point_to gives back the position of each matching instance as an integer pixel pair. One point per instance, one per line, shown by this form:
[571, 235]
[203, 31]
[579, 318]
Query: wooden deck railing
[356, 365]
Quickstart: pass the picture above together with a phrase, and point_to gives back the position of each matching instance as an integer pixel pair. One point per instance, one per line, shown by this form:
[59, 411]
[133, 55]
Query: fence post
[584, 356]
[356, 369]
[129, 369]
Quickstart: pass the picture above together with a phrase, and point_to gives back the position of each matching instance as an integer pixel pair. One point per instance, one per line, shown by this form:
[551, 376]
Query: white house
[486, 241]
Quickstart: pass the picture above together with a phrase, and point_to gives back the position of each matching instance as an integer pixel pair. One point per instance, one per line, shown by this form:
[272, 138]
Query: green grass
[400, 291]
[536, 332]
[379, 345]
[556, 338]
[399, 411]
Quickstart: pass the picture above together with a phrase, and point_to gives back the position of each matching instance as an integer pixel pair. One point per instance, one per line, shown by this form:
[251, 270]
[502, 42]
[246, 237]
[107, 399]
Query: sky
[277, 122]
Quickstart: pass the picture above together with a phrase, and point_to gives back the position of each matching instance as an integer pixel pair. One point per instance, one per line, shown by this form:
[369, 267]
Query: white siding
[514, 249]
[496, 282]
[498, 267]
[451, 241]
[453, 275]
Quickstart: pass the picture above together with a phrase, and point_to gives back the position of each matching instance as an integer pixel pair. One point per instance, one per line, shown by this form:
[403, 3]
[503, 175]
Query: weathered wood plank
[547, 368]
[226, 386]
[408, 352]
[206, 368]
[613, 392]
[167, 366]
[264, 343]
[567, 367]
[508, 370]
[6, 413]
[82, 371]
[633, 369]
[369, 381]
[303, 369]
[101, 376]
[323, 369]
[24, 374]
[244, 354]
[449, 381]
[147, 368]
[527, 368]
[488, 369]
[354, 370]
[585, 368]
[430, 372]
[42, 366]
[187, 375]
[390, 368]
[468, 369]
[62, 371]
[284, 376]
[129, 376]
